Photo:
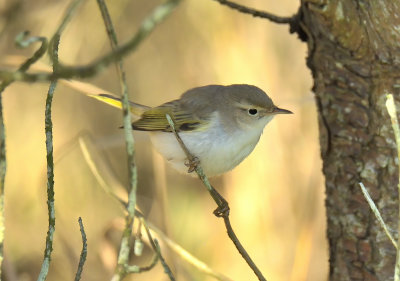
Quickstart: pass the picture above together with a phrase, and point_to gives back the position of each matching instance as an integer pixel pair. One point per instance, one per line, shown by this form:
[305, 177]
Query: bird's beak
[278, 110]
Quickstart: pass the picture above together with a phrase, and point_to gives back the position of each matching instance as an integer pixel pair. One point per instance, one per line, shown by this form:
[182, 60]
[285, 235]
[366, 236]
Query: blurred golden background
[276, 195]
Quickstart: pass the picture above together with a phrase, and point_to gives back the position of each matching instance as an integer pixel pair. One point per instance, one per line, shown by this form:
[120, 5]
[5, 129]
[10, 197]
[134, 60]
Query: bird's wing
[155, 119]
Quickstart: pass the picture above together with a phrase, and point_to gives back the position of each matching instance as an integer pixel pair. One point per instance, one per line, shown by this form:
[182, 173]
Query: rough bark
[354, 55]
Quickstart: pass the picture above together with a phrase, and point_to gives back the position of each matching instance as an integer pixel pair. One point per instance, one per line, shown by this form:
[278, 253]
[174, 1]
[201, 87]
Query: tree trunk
[354, 55]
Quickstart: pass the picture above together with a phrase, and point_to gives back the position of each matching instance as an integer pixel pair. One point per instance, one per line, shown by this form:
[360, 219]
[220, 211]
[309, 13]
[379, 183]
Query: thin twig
[49, 146]
[223, 209]
[391, 108]
[68, 14]
[139, 269]
[23, 43]
[68, 72]
[3, 163]
[167, 269]
[257, 13]
[82, 258]
[377, 214]
[125, 247]
[157, 249]
[50, 180]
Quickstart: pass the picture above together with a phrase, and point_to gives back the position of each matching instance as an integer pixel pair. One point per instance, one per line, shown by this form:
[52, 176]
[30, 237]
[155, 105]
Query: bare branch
[258, 13]
[82, 258]
[50, 180]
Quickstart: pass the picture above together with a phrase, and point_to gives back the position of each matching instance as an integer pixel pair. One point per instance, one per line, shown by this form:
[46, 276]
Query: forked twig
[223, 208]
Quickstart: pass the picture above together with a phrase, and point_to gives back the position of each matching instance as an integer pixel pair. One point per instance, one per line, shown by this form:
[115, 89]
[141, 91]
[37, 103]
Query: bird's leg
[192, 164]
[223, 206]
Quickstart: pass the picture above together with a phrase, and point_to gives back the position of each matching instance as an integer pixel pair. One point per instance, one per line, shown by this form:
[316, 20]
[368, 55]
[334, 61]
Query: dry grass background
[276, 195]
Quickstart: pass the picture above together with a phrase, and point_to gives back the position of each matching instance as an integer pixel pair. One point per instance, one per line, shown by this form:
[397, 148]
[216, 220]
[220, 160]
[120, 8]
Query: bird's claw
[192, 164]
[222, 210]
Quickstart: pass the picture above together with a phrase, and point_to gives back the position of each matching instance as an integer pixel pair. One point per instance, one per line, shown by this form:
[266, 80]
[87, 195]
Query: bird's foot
[192, 164]
[222, 210]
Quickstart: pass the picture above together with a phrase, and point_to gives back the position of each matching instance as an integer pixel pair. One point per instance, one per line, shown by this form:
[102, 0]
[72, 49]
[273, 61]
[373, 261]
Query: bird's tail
[136, 109]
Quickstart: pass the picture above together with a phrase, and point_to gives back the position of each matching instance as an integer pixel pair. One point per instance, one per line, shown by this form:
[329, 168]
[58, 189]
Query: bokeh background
[276, 195]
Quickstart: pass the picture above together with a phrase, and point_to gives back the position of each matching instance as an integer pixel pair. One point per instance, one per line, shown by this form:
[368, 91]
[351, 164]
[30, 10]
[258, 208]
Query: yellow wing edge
[136, 109]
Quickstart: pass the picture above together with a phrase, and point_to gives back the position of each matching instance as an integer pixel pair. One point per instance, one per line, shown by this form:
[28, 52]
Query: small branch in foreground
[258, 13]
[223, 208]
[82, 258]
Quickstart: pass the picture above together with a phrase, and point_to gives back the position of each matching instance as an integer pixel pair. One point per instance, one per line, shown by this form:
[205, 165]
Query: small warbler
[220, 125]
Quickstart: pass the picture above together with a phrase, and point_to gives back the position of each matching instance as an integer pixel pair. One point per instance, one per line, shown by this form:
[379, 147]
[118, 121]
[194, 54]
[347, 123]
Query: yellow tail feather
[136, 109]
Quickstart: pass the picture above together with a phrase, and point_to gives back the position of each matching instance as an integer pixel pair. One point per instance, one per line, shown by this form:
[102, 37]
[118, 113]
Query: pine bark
[354, 55]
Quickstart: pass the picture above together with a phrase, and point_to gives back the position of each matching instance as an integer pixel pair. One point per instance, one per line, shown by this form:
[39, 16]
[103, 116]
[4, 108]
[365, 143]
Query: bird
[219, 125]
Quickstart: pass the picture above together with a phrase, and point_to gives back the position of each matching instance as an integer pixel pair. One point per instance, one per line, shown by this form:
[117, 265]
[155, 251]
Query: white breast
[217, 150]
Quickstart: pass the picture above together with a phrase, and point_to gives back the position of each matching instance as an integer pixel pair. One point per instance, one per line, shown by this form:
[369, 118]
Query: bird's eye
[253, 111]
